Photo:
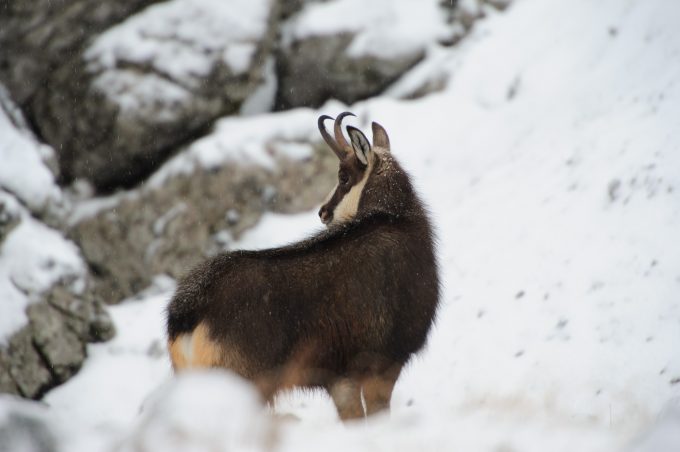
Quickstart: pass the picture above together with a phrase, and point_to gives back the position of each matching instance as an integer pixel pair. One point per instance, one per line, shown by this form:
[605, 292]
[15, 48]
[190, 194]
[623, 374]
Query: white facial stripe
[349, 205]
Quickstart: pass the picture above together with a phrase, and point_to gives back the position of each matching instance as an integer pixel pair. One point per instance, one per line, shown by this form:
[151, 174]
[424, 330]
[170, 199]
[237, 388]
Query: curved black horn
[339, 151]
[339, 137]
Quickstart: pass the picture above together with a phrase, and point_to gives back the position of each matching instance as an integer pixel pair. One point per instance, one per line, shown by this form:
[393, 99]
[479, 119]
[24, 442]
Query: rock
[61, 348]
[26, 366]
[39, 36]
[290, 7]
[7, 384]
[87, 319]
[318, 68]
[51, 348]
[118, 108]
[349, 51]
[168, 228]
[47, 319]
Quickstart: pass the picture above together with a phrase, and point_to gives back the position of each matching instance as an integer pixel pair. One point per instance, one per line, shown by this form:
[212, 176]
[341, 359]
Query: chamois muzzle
[325, 215]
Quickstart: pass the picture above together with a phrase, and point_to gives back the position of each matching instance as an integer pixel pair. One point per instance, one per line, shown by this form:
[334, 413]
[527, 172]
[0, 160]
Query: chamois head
[369, 179]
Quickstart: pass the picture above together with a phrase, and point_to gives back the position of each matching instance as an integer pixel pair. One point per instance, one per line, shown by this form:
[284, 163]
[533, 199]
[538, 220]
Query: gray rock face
[51, 348]
[168, 229]
[61, 318]
[315, 69]
[38, 36]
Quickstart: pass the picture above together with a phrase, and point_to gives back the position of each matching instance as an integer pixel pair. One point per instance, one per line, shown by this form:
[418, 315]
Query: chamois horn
[339, 144]
[339, 137]
[339, 151]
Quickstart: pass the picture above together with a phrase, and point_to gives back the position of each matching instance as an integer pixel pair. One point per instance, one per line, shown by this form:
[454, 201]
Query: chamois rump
[343, 310]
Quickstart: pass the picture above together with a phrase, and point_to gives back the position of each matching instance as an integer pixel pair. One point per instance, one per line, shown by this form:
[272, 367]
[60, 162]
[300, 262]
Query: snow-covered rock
[150, 83]
[23, 169]
[203, 198]
[351, 49]
[37, 36]
[47, 317]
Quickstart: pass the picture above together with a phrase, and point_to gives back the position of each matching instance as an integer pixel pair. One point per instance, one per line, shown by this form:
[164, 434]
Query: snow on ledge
[384, 28]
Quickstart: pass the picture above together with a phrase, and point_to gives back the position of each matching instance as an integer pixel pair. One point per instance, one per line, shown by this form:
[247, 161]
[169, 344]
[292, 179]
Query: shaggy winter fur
[343, 310]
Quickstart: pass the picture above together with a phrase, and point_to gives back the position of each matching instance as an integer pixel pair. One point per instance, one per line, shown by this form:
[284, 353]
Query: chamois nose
[324, 215]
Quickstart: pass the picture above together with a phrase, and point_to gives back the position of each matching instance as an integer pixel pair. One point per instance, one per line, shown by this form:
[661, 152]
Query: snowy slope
[550, 164]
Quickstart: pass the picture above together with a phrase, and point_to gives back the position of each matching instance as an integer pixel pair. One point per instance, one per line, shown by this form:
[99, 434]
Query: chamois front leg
[346, 394]
[378, 388]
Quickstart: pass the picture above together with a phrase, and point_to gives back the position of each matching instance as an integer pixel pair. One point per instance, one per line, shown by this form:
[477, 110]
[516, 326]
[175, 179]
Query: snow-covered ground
[551, 164]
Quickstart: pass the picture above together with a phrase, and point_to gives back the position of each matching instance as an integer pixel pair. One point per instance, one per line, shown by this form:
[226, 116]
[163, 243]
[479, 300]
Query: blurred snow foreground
[550, 162]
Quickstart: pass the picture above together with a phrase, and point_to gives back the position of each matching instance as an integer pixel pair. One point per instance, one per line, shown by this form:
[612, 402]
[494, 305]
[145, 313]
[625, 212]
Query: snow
[382, 28]
[219, 412]
[23, 171]
[33, 257]
[182, 41]
[256, 140]
[549, 163]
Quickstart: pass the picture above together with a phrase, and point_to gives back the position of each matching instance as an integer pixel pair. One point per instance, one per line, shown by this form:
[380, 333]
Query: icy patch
[383, 28]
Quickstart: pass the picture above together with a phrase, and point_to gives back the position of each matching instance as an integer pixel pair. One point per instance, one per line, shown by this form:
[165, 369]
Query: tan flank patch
[176, 354]
[205, 352]
[195, 350]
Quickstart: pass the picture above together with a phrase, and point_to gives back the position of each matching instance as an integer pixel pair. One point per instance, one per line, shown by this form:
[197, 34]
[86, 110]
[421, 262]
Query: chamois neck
[389, 191]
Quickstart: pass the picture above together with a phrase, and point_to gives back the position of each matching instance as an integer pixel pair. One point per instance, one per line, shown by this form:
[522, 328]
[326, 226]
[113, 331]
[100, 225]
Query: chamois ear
[380, 138]
[360, 144]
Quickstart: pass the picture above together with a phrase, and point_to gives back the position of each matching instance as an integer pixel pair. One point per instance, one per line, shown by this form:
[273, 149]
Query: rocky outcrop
[117, 87]
[39, 36]
[48, 318]
[318, 68]
[168, 228]
[349, 50]
[51, 347]
[116, 108]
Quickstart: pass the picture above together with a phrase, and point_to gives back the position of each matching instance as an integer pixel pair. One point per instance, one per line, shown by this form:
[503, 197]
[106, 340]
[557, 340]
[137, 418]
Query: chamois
[343, 310]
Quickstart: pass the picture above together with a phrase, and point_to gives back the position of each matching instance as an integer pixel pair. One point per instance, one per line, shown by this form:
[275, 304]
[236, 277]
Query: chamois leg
[299, 372]
[378, 388]
[346, 394]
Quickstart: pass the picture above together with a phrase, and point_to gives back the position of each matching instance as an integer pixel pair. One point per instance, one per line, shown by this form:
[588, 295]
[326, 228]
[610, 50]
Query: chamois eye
[344, 178]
